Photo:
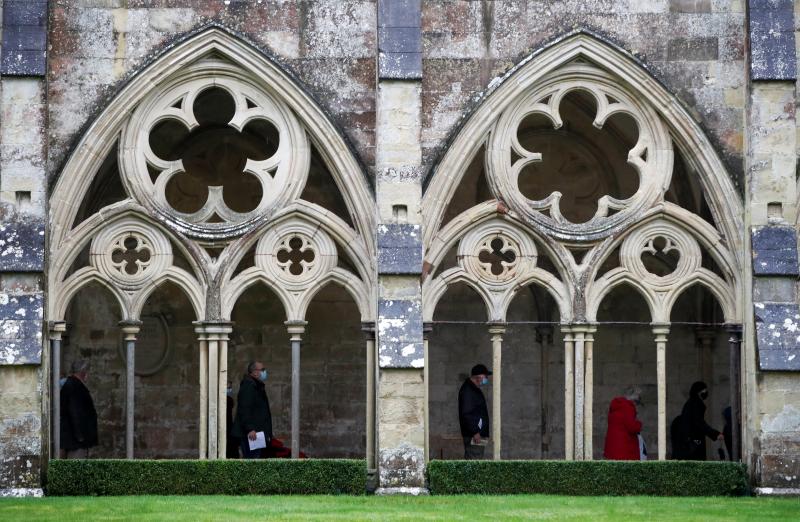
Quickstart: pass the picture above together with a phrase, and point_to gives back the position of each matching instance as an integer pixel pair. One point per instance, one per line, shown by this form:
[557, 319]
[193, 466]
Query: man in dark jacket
[78, 416]
[690, 429]
[473, 415]
[252, 410]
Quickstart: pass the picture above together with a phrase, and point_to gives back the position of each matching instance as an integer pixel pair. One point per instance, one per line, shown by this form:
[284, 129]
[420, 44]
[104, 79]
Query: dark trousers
[471, 451]
[247, 453]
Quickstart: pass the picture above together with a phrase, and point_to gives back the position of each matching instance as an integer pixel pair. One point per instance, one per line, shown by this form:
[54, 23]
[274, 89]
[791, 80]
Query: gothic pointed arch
[613, 130]
[213, 146]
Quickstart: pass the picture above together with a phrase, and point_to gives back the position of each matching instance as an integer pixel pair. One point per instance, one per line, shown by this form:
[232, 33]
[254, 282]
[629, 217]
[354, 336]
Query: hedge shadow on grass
[670, 478]
[206, 477]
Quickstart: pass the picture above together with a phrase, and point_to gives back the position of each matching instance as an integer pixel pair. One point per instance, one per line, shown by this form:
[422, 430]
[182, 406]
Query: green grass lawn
[529, 507]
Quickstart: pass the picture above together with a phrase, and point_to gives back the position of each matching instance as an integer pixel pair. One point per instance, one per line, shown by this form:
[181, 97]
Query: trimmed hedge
[670, 478]
[206, 477]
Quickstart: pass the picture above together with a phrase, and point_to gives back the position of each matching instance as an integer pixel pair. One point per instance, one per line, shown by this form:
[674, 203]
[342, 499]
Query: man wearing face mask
[693, 427]
[252, 412]
[473, 414]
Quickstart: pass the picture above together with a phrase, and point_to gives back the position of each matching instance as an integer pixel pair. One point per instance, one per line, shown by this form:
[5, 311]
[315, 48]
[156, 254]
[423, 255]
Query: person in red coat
[622, 437]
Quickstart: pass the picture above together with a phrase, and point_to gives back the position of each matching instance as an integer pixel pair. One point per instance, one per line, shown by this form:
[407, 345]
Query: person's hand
[252, 435]
[720, 437]
[476, 438]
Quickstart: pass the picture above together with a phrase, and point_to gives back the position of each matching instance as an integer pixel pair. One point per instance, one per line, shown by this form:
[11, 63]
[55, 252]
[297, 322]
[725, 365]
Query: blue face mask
[263, 376]
[484, 381]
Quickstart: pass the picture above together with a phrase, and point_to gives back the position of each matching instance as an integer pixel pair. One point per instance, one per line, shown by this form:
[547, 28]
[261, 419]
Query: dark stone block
[22, 246]
[771, 21]
[761, 5]
[399, 13]
[24, 38]
[21, 306]
[778, 336]
[774, 250]
[399, 334]
[399, 249]
[25, 12]
[773, 56]
[400, 40]
[400, 66]
[23, 63]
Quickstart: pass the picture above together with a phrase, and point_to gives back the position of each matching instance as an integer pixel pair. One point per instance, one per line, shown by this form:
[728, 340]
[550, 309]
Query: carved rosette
[651, 156]
[660, 237]
[281, 176]
[497, 254]
[297, 254]
[130, 254]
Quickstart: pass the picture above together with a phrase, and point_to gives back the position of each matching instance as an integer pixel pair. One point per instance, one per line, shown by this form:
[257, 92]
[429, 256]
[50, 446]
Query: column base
[777, 492]
[415, 492]
[21, 492]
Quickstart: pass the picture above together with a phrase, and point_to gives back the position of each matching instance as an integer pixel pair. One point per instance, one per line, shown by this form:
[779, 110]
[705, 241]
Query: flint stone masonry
[772, 40]
[399, 332]
[399, 249]
[775, 251]
[24, 38]
[778, 336]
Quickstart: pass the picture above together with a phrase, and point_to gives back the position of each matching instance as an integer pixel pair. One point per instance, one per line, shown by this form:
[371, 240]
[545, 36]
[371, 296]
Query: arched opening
[259, 334]
[458, 340]
[333, 378]
[698, 350]
[533, 378]
[624, 356]
[93, 336]
[166, 377]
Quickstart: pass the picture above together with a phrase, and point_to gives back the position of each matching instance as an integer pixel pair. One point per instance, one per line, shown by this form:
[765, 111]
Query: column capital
[296, 329]
[427, 328]
[368, 329]
[734, 329]
[661, 331]
[130, 328]
[56, 329]
[496, 328]
[207, 330]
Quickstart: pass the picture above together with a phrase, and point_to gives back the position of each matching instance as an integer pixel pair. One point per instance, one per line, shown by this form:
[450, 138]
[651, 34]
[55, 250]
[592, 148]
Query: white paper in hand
[260, 442]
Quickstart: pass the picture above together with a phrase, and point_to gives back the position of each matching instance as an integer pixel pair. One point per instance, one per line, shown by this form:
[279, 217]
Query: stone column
[735, 346]
[57, 329]
[569, 393]
[588, 395]
[661, 331]
[398, 161]
[202, 340]
[129, 329]
[578, 332]
[213, 338]
[426, 330]
[368, 328]
[296, 330]
[496, 330]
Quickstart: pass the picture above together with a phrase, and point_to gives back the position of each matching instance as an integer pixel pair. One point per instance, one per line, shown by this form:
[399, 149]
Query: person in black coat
[691, 429]
[252, 410]
[231, 443]
[473, 414]
[78, 416]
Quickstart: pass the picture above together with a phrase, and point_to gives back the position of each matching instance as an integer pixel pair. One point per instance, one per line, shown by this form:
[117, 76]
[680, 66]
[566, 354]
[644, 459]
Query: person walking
[690, 429]
[473, 414]
[78, 415]
[252, 411]
[622, 434]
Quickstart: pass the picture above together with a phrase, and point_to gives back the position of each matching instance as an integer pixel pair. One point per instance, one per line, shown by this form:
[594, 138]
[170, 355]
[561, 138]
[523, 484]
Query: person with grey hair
[78, 415]
[622, 435]
[252, 411]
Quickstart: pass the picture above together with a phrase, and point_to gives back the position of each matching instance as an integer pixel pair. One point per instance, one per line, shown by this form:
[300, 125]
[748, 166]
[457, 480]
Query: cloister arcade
[579, 235]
